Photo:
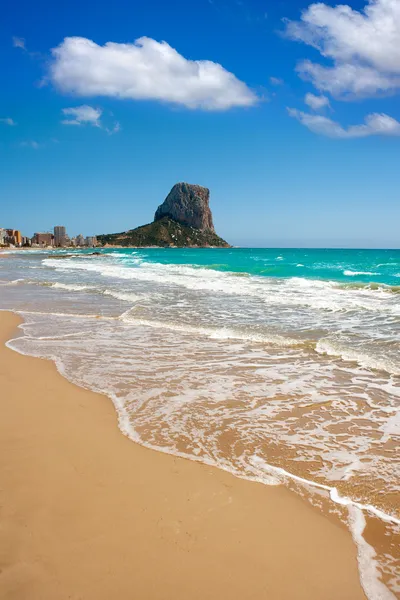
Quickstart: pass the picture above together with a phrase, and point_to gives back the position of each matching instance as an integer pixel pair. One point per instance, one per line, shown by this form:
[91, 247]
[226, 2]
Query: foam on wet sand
[88, 514]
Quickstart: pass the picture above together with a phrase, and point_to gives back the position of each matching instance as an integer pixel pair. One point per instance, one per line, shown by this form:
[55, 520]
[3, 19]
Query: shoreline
[117, 247]
[87, 513]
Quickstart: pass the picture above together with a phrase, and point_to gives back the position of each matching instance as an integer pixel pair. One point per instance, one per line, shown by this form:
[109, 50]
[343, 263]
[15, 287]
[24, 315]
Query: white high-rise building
[60, 236]
[91, 241]
[80, 240]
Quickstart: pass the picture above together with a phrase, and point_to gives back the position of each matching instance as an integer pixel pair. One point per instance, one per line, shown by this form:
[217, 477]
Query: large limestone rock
[189, 205]
[184, 220]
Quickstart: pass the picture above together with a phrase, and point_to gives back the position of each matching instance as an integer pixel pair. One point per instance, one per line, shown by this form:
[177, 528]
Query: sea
[281, 366]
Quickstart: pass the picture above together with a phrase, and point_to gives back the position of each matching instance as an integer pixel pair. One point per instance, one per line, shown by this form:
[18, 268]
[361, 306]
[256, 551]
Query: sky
[288, 111]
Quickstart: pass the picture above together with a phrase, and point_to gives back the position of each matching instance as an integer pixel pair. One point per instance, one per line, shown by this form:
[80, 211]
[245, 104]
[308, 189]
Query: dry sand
[87, 514]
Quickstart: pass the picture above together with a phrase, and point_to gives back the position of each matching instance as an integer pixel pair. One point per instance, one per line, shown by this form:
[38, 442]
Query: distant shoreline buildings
[12, 238]
[60, 236]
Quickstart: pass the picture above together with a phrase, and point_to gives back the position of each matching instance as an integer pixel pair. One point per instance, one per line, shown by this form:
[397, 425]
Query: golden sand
[86, 514]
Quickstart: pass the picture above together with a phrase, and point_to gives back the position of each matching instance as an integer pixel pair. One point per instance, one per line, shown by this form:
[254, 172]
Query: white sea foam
[64, 314]
[76, 287]
[12, 282]
[344, 501]
[224, 333]
[370, 578]
[392, 426]
[118, 255]
[335, 347]
[126, 296]
[333, 492]
[295, 291]
[71, 287]
[349, 273]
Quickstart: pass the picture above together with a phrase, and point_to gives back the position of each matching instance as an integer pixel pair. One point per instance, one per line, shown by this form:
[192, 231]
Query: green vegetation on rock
[164, 232]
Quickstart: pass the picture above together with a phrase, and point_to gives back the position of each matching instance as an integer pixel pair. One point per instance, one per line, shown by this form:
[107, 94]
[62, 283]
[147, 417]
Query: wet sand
[87, 514]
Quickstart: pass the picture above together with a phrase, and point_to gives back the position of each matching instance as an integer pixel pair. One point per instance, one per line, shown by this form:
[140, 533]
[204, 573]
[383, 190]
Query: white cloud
[375, 124]
[348, 81]
[145, 70]
[363, 45]
[316, 102]
[19, 43]
[82, 115]
[87, 115]
[7, 121]
[276, 81]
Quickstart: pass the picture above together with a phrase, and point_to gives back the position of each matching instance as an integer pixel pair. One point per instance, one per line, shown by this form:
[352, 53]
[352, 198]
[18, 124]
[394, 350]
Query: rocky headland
[184, 219]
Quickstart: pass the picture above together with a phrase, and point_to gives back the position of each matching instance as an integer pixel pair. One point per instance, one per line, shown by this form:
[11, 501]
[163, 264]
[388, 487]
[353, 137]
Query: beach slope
[87, 514]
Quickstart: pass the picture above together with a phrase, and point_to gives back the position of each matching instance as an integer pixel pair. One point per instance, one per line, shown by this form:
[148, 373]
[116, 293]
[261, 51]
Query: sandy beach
[88, 514]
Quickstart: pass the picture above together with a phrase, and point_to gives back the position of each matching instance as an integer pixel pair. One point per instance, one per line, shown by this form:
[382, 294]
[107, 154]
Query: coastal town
[13, 238]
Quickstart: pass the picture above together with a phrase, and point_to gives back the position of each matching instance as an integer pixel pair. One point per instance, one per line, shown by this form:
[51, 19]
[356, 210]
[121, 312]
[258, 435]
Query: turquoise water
[364, 266]
[278, 365]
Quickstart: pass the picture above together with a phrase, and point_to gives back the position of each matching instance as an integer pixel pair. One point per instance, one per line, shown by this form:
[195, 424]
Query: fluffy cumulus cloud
[348, 81]
[375, 124]
[316, 102]
[145, 70]
[364, 47]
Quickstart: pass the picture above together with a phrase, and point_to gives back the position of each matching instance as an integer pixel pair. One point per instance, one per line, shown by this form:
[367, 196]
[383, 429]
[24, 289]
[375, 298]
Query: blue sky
[290, 116]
